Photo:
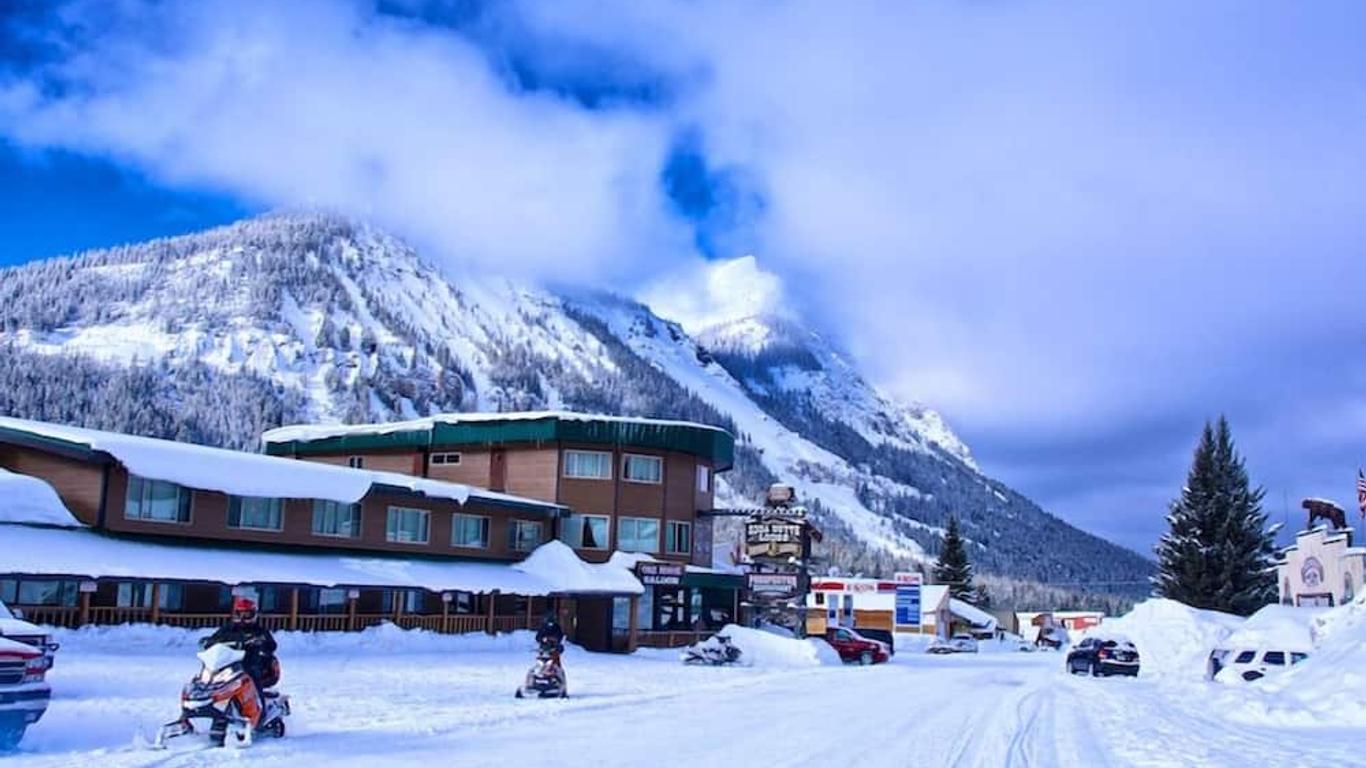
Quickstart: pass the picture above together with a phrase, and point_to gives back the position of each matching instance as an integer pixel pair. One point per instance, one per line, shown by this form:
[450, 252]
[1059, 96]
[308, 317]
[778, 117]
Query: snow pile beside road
[25, 499]
[765, 649]
[1329, 687]
[1173, 640]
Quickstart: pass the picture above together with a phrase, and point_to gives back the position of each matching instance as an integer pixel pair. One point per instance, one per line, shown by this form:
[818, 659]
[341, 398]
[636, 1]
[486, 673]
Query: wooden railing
[70, 617]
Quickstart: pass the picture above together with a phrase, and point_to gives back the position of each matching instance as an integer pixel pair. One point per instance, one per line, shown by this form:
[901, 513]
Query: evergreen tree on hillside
[1219, 550]
[953, 568]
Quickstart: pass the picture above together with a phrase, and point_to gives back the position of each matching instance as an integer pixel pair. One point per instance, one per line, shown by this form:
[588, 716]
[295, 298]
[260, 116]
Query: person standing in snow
[259, 645]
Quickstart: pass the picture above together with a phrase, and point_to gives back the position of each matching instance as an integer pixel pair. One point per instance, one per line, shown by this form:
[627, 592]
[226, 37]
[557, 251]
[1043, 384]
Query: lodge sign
[773, 539]
[659, 574]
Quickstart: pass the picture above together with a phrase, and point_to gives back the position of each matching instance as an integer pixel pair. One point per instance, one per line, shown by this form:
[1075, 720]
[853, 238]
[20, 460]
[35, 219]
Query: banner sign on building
[773, 586]
[907, 601]
[659, 574]
[773, 539]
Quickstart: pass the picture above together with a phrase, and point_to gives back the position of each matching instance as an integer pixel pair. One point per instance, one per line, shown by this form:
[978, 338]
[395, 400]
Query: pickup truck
[24, 692]
[853, 647]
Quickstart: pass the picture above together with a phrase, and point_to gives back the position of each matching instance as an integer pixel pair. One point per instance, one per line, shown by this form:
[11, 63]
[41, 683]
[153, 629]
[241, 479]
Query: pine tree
[953, 567]
[1219, 550]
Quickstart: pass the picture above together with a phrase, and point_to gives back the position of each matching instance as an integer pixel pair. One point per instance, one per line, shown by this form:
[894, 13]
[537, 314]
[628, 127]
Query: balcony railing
[72, 617]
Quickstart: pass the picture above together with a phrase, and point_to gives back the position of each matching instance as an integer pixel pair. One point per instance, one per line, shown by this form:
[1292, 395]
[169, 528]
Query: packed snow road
[390, 700]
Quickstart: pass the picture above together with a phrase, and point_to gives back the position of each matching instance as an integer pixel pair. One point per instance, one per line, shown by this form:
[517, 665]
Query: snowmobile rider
[551, 635]
[254, 639]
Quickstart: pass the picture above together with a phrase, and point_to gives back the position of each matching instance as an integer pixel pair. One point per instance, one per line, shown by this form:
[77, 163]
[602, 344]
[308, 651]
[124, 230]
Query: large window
[38, 591]
[171, 597]
[642, 469]
[703, 478]
[469, 531]
[255, 513]
[585, 531]
[157, 501]
[588, 465]
[637, 534]
[524, 535]
[407, 526]
[333, 518]
[678, 538]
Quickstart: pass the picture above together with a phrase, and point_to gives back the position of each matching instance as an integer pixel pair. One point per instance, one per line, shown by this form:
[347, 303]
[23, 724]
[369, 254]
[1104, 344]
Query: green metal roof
[715, 445]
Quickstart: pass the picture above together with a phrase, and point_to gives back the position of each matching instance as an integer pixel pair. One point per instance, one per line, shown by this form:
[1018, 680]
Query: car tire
[865, 658]
[1095, 669]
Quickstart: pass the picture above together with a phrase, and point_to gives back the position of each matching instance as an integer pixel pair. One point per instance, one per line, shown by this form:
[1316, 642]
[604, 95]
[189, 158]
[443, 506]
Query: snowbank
[1276, 627]
[25, 499]
[764, 649]
[1329, 687]
[309, 432]
[975, 616]
[1173, 640]
[383, 639]
[556, 564]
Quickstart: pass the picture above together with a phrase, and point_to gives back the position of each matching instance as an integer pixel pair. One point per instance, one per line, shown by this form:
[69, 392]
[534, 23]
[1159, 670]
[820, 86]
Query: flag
[1361, 492]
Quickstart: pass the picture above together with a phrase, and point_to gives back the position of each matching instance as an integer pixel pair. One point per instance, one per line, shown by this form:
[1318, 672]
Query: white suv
[1248, 664]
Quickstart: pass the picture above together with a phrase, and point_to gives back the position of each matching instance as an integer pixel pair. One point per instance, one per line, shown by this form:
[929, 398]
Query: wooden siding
[79, 484]
[473, 469]
[407, 462]
[532, 473]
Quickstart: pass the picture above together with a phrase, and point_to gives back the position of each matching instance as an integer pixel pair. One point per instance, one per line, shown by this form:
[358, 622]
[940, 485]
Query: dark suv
[1103, 656]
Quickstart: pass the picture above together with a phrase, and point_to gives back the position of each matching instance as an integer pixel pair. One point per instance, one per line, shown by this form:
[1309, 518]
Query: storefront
[1321, 569]
[681, 604]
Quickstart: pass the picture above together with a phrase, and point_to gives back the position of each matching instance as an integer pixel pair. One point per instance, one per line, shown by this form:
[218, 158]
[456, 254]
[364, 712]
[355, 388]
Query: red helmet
[244, 609]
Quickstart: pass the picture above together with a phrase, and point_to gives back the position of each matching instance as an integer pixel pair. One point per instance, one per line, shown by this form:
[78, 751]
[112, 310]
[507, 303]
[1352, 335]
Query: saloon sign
[773, 539]
[659, 574]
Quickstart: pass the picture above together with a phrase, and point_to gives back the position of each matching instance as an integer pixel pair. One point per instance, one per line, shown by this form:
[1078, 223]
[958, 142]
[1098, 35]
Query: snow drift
[1173, 639]
[28, 500]
[765, 649]
[1329, 687]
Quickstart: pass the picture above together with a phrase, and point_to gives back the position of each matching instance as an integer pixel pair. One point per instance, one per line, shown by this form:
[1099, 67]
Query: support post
[350, 613]
[398, 595]
[633, 635]
[85, 609]
[530, 622]
[488, 615]
[445, 613]
[156, 602]
[294, 610]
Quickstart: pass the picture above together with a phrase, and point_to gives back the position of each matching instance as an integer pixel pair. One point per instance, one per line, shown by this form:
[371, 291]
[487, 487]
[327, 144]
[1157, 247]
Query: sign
[659, 574]
[907, 577]
[1311, 573]
[908, 604]
[775, 539]
[773, 586]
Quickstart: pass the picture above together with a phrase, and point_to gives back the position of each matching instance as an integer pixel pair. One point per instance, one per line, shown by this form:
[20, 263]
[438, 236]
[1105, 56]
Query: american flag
[1361, 492]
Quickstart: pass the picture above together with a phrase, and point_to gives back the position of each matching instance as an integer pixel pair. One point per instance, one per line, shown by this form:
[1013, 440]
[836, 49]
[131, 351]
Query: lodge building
[452, 523]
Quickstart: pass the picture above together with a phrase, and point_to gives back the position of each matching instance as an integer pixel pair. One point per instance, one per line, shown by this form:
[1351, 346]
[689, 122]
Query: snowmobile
[225, 695]
[716, 650]
[546, 678]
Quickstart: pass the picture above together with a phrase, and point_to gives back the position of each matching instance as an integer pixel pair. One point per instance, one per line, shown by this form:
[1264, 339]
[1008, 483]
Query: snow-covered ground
[387, 697]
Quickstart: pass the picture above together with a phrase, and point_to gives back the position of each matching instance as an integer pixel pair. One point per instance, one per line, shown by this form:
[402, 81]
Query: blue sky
[1078, 229]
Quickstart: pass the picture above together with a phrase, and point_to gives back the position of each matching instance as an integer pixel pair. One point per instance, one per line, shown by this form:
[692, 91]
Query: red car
[23, 691]
[853, 647]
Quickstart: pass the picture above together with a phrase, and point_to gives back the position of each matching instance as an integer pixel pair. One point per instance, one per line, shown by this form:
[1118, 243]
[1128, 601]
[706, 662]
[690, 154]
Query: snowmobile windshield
[220, 655]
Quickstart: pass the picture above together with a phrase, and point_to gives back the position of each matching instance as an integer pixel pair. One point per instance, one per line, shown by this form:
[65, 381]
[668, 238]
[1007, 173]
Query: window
[170, 597]
[1275, 658]
[637, 534]
[1348, 588]
[157, 501]
[588, 465]
[255, 513]
[585, 531]
[40, 592]
[355, 462]
[333, 518]
[523, 535]
[1296, 658]
[406, 526]
[678, 538]
[703, 478]
[408, 600]
[445, 459]
[469, 531]
[642, 469]
[1245, 657]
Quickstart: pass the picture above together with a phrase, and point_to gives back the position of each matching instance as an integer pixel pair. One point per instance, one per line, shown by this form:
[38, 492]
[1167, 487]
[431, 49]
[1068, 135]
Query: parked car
[1104, 656]
[1248, 664]
[14, 628]
[961, 643]
[24, 693]
[854, 647]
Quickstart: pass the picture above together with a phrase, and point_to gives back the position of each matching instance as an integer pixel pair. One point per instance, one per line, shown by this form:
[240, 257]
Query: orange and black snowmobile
[225, 695]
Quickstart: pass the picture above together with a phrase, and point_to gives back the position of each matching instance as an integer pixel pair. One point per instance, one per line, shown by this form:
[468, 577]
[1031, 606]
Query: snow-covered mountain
[215, 337]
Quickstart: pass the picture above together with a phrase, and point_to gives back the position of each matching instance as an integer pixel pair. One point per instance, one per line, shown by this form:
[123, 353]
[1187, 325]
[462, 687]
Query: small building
[1028, 624]
[1321, 568]
[871, 604]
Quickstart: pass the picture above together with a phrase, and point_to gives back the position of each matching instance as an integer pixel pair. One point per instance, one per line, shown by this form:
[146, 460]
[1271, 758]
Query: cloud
[703, 294]
[1078, 229]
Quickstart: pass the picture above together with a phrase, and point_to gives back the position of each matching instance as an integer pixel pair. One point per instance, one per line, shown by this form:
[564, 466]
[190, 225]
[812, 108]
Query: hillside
[217, 336]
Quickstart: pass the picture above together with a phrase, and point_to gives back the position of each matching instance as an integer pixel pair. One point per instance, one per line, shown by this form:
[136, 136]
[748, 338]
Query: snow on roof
[971, 613]
[1276, 627]
[932, 597]
[25, 499]
[552, 569]
[309, 432]
[248, 474]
